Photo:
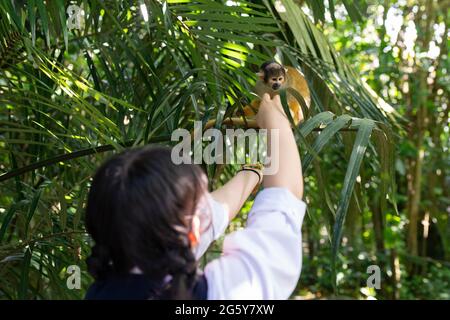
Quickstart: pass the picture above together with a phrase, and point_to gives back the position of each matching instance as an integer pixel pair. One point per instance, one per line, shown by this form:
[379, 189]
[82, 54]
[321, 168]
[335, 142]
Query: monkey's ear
[286, 70]
[260, 74]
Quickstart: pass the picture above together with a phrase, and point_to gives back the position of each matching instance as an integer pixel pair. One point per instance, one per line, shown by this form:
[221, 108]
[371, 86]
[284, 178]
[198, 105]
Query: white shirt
[262, 261]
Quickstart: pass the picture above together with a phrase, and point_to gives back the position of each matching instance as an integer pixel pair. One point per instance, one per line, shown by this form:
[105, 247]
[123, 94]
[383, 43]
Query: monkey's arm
[260, 89]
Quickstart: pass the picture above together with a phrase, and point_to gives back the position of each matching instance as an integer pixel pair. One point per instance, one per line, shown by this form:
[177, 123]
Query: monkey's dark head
[273, 74]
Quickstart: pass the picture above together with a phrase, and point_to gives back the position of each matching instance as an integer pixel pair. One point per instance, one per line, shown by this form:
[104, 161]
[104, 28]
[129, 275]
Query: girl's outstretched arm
[235, 192]
[263, 261]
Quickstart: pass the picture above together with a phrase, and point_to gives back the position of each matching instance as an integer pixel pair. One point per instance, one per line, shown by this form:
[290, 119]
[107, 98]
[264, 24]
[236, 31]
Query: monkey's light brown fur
[294, 80]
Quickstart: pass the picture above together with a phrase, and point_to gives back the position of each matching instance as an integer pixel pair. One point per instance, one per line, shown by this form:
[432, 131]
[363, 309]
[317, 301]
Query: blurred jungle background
[81, 80]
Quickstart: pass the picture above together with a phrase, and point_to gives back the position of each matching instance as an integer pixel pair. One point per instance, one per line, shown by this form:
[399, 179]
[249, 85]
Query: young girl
[151, 221]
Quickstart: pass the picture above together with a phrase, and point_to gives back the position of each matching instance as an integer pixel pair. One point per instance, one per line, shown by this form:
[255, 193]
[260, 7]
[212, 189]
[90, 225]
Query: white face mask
[202, 219]
[214, 225]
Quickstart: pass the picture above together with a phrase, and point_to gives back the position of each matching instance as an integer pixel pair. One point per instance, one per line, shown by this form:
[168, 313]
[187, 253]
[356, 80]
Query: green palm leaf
[71, 98]
[359, 148]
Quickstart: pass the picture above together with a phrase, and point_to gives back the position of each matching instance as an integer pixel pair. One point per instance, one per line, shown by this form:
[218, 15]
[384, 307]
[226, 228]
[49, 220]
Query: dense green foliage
[374, 145]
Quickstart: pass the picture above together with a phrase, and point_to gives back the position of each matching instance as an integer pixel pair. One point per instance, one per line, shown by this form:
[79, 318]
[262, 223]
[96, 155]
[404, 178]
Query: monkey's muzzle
[276, 86]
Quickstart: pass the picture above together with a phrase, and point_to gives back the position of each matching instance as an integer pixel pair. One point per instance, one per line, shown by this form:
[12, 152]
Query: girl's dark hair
[139, 213]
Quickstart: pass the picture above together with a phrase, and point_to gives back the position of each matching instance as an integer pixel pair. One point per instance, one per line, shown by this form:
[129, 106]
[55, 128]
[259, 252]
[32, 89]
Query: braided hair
[139, 214]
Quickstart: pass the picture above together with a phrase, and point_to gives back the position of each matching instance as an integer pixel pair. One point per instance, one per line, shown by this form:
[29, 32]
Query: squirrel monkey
[272, 78]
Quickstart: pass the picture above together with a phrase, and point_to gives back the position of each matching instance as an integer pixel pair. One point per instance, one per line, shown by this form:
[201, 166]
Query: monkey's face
[276, 81]
[273, 74]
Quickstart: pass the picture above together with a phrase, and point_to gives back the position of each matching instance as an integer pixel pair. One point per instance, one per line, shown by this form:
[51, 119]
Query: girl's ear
[260, 74]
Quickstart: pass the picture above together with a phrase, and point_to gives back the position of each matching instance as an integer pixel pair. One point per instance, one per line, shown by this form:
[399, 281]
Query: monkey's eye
[274, 79]
[281, 78]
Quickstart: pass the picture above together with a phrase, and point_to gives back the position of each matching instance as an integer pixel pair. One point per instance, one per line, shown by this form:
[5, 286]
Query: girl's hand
[271, 113]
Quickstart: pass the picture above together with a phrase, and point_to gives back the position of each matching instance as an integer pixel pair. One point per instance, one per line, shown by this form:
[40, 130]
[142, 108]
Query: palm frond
[71, 98]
